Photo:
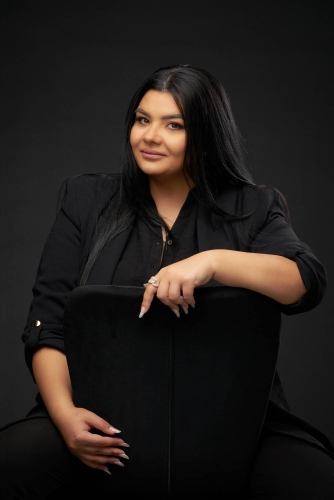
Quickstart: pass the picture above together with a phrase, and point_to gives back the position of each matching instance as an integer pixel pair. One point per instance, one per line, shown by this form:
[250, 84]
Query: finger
[108, 451]
[188, 294]
[148, 297]
[95, 442]
[101, 458]
[174, 294]
[100, 462]
[163, 296]
[173, 298]
[100, 424]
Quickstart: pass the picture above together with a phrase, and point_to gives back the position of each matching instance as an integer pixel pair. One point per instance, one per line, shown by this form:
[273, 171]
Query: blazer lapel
[104, 268]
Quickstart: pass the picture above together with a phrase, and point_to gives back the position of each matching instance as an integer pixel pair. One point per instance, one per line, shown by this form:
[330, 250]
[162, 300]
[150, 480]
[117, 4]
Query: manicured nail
[142, 312]
[176, 312]
[185, 309]
[124, 444]
[145, 284]
[119, 463]
[116, 431]
[104, 470]
[124, 456]
[193, 306]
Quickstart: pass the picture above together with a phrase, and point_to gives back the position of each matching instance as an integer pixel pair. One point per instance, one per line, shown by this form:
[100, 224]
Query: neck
[169, 196]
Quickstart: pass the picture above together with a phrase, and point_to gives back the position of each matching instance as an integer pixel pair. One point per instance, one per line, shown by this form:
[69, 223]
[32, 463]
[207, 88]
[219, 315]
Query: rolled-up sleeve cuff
[314, 278]
[39, 335]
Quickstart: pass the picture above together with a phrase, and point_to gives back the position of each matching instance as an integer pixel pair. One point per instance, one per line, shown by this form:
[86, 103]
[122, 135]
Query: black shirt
[146, 252]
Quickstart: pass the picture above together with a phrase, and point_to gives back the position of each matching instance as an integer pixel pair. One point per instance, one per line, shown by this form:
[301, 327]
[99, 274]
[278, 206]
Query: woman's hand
[178, 281]
[94, 450]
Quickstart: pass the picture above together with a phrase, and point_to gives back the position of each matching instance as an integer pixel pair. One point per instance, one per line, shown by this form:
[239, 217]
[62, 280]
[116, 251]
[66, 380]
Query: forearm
[272, 275]
[53, 380]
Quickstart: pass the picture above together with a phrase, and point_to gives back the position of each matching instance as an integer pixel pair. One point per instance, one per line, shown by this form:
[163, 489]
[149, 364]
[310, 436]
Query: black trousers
[35, 464]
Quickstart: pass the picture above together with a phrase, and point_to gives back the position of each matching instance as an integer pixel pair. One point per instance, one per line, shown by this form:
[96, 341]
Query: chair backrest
[189, 394]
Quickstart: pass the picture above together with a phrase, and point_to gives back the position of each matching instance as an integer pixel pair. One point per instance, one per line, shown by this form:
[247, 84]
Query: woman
[182, 163]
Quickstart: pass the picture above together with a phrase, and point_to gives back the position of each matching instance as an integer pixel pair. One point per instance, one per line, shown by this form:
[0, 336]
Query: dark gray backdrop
[68, 72]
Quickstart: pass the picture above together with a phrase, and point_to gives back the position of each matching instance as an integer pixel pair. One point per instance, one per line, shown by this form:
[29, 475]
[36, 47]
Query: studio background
[68, 72]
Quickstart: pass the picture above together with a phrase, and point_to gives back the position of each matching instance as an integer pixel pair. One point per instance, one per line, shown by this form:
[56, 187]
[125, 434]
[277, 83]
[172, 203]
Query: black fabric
[35, 461]
[284, 468]
[67, 246]
[145, 251]
[189, 394]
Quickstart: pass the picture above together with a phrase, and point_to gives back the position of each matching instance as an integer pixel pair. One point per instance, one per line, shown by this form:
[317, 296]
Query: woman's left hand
[178, 281]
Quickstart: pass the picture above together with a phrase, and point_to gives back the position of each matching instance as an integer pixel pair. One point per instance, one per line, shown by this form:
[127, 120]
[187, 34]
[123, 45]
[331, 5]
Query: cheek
[176, 145]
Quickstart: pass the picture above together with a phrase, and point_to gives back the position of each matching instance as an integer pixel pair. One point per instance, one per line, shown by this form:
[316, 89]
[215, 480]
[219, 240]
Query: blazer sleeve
[57, 275]
[273, 234]
[64, 254]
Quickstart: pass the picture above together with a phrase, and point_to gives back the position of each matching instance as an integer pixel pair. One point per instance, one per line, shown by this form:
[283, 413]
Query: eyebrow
[166, 117]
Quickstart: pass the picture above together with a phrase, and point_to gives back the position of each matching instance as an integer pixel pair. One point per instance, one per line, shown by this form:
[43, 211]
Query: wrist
[214, 259]
[60, 412]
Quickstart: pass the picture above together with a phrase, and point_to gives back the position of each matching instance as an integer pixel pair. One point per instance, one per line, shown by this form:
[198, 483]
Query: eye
[141, 119]
[175, 126]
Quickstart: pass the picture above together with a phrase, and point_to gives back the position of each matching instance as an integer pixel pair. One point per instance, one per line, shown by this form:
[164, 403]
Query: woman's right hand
[75, 424]
[94, 450]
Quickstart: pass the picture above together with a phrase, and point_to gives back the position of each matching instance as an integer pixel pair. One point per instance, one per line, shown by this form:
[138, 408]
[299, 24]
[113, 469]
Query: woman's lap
[34, 460]
[286, 467]
[36, 464]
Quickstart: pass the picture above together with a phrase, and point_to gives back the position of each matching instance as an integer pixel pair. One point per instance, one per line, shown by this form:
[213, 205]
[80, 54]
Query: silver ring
[154, 281]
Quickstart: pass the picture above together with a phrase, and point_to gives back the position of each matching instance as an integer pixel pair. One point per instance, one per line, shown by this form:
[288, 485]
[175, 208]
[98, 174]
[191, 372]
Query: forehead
[158, 103]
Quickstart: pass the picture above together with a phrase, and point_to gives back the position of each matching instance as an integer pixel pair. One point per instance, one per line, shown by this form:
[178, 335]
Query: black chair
[190, 394]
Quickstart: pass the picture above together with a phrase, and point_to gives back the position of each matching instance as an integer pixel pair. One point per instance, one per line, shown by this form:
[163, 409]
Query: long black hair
[214, 155]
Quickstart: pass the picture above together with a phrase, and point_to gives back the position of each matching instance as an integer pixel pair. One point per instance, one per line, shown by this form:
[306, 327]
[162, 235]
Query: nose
[152, 134]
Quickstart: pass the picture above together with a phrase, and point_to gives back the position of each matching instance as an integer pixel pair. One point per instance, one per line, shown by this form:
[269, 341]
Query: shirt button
[37, 323]
[169, 242]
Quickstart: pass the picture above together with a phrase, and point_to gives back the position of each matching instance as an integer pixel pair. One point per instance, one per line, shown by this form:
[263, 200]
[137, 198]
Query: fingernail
[124, 456]
[104, 470]
[193, 306]
[176, 312]
[124, 444]
[119, 463]
[145, 284]
[111, 428]
[185, 309]
[142, 312]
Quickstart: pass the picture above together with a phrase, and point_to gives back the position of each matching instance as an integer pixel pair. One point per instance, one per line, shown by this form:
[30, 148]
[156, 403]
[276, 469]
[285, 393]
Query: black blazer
[67, 248]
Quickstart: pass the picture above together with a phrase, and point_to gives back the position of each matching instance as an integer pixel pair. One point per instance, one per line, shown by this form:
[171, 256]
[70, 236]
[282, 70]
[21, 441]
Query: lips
[151, 153]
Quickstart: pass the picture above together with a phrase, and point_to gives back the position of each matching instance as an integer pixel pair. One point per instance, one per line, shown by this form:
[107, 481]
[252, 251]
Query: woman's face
[158, 136]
